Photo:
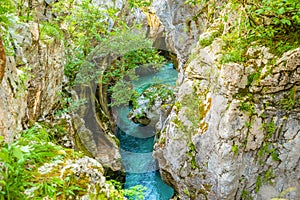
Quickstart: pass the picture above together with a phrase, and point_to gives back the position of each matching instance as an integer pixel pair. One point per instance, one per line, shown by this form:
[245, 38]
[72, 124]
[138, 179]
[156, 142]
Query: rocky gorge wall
[31, 82]
[32, 79]
[229, 136]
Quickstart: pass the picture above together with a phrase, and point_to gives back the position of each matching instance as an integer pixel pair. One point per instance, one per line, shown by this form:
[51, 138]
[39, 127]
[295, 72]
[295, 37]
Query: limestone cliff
[32, 80]
[234, 130]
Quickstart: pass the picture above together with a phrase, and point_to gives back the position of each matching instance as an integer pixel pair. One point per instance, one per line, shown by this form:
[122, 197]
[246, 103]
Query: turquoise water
[137, 142]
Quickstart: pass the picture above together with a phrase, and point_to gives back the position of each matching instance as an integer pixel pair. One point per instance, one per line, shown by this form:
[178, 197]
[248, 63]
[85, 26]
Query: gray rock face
[181, 26]
[228, 137]
[237, 146]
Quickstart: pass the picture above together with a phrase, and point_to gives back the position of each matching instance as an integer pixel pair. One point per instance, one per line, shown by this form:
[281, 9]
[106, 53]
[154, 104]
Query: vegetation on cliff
[247, 58]
[274, 24]
[35, 167]
[81, 26]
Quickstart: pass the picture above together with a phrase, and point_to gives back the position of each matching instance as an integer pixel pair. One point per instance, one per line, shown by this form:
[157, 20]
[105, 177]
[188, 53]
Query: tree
[2, 60]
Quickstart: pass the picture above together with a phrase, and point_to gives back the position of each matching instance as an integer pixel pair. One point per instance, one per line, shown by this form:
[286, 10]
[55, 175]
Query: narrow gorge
[150, 99]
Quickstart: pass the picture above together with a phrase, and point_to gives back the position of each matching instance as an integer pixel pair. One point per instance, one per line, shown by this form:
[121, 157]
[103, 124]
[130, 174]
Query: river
[137, 142]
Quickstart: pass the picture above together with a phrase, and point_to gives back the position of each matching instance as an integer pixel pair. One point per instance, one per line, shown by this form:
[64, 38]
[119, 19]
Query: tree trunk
[2, 60]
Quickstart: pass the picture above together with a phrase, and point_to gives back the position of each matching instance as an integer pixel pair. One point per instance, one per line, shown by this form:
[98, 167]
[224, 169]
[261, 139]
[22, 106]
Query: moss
[245, 195]
[204, 42]
[179, 124]
[235, 149]
[247, 106]
[291, 99]
[258, 183]
[268, 176]
[196, 109]
[270, 129]
[253, 77]
[186, 192]
[81, 147]
[192, 155]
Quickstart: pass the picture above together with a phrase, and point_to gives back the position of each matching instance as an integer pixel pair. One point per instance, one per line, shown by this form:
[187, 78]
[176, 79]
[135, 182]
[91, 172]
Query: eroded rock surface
[240, 142]
[32, 80]
[234, 129]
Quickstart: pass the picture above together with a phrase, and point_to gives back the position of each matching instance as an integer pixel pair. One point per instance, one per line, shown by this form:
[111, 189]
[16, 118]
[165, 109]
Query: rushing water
[137, 142]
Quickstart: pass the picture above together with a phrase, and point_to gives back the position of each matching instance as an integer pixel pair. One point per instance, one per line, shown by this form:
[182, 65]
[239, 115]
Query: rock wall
[236, 146]
[230, 135]
[182, 26]
[32, 80]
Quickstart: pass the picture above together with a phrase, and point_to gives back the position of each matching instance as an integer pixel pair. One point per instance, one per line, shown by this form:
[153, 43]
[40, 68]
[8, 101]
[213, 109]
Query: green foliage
[160, 91]
[84, 22]
[7, 18]
[253, 77]
[270, 127]
[179, 124]
[204, 42]
[196, 109]
[195, 2]
[234, 49]
[19, 160]
[258, 183]
[88, 30]
[21, 179]
[135, 192]
[122, 92]
[274, 154]
[131, 60]
[139, 3]
[68, 104]
[247, 106]
[126, 42]
[7, 8]
[275, 24]
[266, 150]
[186, 192]
[85, 25]
[50, 31]
[248, 124]
[246, 195]
[23, 76]
[192, 155]
[290, 101]
[268, 176]
[235, 149]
